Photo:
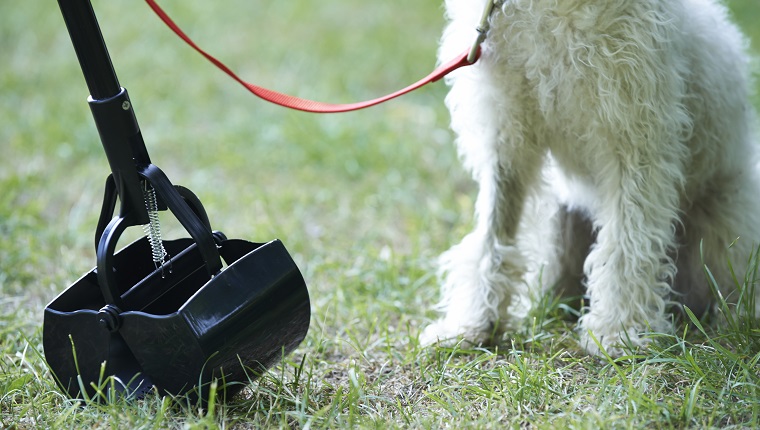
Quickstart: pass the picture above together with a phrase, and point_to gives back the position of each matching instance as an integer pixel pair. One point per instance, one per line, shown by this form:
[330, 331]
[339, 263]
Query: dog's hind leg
[557, 251]
[720, 233]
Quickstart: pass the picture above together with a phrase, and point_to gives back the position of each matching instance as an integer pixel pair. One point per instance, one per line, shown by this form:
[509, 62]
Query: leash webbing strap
[303, 104]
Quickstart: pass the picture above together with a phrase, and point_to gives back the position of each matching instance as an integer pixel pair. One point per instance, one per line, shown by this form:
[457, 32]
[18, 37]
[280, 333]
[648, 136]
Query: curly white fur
[609, 139]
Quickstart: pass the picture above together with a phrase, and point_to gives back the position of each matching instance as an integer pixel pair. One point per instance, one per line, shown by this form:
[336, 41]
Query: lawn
[364, 201]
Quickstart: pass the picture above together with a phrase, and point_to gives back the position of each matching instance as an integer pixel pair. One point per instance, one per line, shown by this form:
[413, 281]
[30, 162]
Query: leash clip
[482, 30]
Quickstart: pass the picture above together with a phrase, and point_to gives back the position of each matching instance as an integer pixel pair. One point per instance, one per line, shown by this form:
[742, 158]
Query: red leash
[309, 105]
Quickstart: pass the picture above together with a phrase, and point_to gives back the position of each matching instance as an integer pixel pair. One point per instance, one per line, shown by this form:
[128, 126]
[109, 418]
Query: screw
[126, 105]
[108, 317]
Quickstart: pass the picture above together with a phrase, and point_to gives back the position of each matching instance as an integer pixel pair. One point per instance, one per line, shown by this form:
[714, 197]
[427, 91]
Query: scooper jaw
[181, 331]
[166, 315]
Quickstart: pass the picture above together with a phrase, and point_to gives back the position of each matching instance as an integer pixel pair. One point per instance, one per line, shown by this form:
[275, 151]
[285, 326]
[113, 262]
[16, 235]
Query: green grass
[364, 201]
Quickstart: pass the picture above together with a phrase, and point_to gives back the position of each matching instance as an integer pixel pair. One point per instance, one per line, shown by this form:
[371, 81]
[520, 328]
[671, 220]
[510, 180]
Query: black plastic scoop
[173, 315]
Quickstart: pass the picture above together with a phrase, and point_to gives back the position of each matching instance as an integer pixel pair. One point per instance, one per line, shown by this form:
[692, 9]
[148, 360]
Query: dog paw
[615, 344]
[449, 335]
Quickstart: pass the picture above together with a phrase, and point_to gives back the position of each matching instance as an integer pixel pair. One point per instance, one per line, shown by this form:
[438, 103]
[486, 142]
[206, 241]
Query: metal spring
[153, 228]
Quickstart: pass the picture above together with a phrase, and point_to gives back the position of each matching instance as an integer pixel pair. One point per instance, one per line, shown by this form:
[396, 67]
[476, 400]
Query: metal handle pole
[90, 48]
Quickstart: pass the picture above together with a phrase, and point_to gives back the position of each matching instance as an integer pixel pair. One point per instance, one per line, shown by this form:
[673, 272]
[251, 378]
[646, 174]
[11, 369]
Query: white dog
[612, 142]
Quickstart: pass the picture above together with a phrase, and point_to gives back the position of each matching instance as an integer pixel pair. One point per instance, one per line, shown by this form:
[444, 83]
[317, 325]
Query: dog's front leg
[484, 273]
[629, 269]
